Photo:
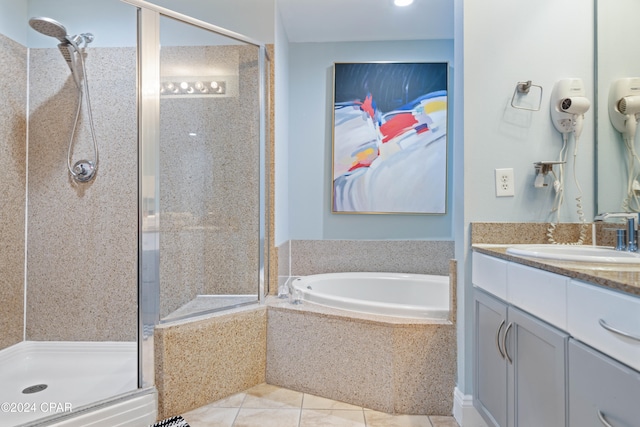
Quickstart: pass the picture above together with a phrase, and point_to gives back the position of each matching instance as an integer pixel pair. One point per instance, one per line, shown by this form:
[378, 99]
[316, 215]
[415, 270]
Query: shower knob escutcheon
[84, 171]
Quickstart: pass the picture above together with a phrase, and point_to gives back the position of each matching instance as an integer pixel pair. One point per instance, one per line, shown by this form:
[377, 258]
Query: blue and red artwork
[390, 138]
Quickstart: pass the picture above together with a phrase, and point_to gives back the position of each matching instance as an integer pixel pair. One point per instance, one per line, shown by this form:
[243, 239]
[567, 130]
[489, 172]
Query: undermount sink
[579, 253]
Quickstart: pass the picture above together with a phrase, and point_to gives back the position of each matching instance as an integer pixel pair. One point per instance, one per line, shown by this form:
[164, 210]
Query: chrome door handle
[498, 338]
[618, 331]
[504, 343]
[602, 419]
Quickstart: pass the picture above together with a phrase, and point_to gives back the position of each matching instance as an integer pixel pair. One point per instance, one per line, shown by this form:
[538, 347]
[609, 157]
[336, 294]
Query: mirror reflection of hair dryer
[624, 113]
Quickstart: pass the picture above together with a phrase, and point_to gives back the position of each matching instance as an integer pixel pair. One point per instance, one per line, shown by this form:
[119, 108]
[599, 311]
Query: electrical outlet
[504, 182]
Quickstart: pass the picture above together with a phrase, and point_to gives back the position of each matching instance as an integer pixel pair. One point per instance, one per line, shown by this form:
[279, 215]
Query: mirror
[616, 30]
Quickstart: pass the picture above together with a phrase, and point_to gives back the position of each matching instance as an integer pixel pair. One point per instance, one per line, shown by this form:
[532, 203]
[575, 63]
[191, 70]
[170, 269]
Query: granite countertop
[620, 278]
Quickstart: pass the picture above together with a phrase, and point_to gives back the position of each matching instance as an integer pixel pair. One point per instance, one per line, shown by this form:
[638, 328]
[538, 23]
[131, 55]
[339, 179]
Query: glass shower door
[209, 171]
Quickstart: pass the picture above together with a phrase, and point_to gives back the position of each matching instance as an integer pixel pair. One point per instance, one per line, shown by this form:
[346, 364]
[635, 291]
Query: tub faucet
[633, 218]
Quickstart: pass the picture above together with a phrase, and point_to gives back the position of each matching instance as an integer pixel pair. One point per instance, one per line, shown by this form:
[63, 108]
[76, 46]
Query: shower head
[49, 27]
[69, 46]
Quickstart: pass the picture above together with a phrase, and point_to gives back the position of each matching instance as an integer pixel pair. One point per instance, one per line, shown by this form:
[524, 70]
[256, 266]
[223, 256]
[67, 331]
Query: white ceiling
[365, 20]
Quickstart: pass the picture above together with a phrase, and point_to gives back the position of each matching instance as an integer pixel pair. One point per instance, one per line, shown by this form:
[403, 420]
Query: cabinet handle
[602, 419]
[498, 338]
[504, 342]
[618, 331]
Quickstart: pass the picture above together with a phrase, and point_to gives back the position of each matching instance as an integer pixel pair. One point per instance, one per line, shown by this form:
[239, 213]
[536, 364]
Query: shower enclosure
[203, 177]
[171, 224]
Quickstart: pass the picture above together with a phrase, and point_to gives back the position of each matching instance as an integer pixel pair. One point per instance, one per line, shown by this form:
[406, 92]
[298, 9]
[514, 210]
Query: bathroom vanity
[555, 343]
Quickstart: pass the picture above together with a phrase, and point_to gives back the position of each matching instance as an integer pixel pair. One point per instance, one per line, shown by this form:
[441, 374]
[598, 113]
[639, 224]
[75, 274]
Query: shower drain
[34, 388]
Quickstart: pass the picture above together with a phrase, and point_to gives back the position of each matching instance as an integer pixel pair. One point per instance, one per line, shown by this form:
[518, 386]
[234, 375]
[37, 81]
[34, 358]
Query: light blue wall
[498, 44]
[310, 133]
[114, 23]
[251, 18]
[281, 154]
[13, 18]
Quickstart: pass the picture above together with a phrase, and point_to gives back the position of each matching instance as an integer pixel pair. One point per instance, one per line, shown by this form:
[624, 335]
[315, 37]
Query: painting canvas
[390, 138]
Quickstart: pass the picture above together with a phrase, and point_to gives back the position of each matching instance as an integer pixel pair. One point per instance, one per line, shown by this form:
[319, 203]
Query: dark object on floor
[172, 422]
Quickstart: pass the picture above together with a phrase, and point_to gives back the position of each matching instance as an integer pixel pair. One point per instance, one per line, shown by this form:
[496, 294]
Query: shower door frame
[148, 164]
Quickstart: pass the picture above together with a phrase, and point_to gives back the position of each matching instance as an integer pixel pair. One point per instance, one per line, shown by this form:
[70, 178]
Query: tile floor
[269, 406]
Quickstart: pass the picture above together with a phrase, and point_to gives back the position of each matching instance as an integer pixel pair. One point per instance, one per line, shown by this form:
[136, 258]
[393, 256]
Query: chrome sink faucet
[633, 218]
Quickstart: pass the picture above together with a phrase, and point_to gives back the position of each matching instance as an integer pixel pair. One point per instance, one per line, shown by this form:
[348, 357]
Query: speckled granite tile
[284, 266]
[198, 362]
[82, 240]
[13, 158]
[347, 361]
[274, 253]
[453, 290]
[363, 360]
[394, 256]
[525, 232]
[424, 369]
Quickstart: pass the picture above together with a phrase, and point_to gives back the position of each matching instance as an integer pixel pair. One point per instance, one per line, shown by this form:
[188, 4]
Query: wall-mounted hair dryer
[624, 105]
[568, 105]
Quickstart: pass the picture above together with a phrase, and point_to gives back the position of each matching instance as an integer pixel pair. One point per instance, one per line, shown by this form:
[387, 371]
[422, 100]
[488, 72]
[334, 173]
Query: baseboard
[464, 412]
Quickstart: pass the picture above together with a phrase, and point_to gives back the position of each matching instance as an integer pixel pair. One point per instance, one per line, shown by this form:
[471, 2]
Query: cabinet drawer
[594, 316]
[490, 274]
[539, 292]
[600, 387]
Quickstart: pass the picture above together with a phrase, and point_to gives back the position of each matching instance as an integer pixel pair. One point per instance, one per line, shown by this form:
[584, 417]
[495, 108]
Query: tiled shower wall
[13, 126]
[82, 238]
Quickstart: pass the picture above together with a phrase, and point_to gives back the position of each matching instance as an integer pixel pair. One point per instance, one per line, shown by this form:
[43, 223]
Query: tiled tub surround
[203, 360]
[386, 364]
[379, 362]
[305, 257]
[405, 367]
[13, 128]
[390, 364]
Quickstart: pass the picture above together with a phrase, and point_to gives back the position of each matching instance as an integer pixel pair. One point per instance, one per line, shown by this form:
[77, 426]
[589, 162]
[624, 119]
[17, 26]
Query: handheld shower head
[49, 27]
[69, 46]
[72, 49]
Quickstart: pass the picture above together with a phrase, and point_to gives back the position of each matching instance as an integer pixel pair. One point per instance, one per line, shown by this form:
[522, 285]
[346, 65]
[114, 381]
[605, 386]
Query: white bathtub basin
[420, 296]
[578, 253]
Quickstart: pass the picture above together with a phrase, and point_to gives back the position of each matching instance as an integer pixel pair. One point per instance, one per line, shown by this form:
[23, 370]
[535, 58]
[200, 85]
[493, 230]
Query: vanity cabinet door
[536, 372]
[490, 385]
[602, 391]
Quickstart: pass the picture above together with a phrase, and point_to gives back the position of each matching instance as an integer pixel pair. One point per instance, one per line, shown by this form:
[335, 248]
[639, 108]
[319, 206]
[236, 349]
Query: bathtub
[416, 296]
[81, 381]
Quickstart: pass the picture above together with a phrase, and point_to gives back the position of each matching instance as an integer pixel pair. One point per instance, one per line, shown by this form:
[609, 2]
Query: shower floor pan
[75, 374]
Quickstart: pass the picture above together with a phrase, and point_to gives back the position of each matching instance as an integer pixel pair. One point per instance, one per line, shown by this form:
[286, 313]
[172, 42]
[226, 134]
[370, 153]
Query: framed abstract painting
[390, 138]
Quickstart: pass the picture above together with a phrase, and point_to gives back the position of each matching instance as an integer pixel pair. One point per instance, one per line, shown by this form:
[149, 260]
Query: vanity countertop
[625, 279]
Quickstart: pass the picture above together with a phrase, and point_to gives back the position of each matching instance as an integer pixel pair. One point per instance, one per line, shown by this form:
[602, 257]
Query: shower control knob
[84, 171]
